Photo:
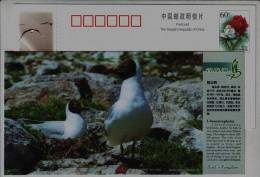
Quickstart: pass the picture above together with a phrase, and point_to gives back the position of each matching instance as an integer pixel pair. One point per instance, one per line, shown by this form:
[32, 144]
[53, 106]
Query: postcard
[127, 88]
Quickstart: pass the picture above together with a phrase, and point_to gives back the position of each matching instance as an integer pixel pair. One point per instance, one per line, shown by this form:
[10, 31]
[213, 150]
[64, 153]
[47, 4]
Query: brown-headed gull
[73, 127]
[130, 118]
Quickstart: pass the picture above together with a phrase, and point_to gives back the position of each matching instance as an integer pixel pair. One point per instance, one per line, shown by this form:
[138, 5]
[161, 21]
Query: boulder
[176, 103]
[102, 88]
[22, 93]
[22, 151]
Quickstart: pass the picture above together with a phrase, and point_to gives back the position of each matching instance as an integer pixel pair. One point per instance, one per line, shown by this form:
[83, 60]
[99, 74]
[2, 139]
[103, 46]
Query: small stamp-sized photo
[36, 32]
[234, 30]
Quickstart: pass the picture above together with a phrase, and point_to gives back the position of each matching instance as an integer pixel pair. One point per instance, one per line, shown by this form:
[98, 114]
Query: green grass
[36, 133]
[168, 157]
[65, 69]
[96, 104]
[16, 75]
[11, 171]
[195, 123]
[51, 109]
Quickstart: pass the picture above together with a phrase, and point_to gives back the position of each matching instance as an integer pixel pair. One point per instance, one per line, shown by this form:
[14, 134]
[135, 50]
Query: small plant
[168, 157]
[52, 108]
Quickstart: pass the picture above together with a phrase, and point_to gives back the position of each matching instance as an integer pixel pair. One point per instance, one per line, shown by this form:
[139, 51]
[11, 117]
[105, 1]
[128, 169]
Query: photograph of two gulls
[101, 112]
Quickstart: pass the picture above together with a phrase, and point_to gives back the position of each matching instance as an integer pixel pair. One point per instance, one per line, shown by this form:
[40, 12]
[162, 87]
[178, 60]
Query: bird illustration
[130, 118]
[31, 30]
[73, 127]
[46, 23]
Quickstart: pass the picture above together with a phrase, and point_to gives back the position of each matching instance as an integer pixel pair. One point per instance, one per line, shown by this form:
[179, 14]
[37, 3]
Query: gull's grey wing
[110, 113]
[50, 128]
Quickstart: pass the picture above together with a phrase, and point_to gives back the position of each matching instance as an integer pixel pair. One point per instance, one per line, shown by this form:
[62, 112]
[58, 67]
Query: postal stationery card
[91, 88]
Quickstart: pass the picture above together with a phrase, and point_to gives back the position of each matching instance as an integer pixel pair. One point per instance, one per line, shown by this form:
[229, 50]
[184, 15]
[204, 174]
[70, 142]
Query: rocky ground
[38, 86]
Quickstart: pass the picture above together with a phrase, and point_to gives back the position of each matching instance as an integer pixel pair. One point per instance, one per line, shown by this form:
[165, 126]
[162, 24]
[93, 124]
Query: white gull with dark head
[130, 118]
[73, 127]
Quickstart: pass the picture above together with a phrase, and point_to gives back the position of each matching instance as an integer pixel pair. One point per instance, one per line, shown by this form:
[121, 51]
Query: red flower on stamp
[239, 23]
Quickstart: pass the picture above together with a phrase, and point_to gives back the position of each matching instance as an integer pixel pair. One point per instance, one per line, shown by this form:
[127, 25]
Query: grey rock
[67, 63]
[176, 103]
[93, 159]
[135, 172]
[94, 115]
[151, 84]
[114, 55]
[102, 88]
[22, 151]
[191, 138]
[94, 164]
[95, 123]
[48, 67]
[31, 93]
[87, 64]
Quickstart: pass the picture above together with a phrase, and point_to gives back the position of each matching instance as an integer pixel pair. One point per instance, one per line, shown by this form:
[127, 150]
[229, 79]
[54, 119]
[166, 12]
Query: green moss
[36, 133]
[96, 104]
[168, 157]
[65, 69]
[51, 109]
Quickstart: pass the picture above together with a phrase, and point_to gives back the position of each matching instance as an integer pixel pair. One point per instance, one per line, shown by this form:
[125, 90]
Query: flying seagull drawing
[130, 118]
[31, 30]
[46, 23]
[73, 127]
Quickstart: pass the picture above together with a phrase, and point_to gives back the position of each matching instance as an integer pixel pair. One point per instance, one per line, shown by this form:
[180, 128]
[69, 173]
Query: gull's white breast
[130, 117]
[74, 126]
